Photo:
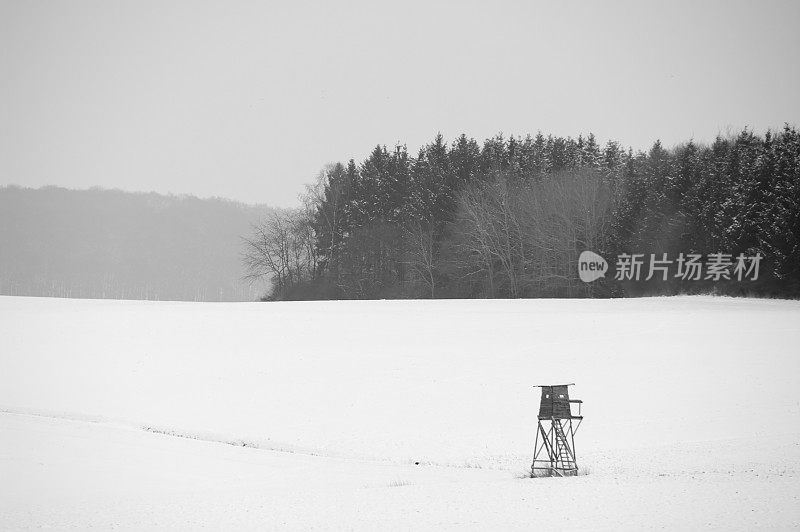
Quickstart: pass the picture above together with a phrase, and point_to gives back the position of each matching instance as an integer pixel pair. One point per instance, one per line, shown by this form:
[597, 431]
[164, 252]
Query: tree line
[510, 217]
[97, 243]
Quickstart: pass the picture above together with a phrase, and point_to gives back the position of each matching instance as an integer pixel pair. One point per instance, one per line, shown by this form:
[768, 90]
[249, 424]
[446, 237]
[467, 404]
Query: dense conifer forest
[509, 218]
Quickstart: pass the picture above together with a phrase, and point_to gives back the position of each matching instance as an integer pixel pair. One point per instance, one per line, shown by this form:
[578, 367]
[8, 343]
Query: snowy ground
[118, 414]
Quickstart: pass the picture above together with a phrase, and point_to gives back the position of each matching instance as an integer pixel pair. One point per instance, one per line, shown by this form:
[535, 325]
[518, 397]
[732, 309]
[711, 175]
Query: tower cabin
[556, 403]
[554, 446]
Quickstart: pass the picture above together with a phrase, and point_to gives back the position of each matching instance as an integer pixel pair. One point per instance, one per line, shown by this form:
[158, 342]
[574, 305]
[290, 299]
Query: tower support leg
[554, 449]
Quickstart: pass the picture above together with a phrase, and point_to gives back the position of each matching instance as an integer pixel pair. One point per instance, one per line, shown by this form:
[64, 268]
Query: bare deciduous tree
[524, 238]
[421, 255]
[281, 250]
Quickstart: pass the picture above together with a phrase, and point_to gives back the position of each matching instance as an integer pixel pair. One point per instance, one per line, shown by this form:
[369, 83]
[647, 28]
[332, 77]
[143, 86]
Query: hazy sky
[248, 100]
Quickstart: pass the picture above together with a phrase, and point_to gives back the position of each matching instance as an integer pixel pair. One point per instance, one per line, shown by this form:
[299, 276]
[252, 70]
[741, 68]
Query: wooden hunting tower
[554, 447]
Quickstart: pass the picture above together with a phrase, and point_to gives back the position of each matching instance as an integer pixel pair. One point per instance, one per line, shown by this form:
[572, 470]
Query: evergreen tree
[393, 214]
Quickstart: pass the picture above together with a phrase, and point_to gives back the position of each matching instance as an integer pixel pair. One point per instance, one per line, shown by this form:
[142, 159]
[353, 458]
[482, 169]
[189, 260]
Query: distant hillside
[113, 244]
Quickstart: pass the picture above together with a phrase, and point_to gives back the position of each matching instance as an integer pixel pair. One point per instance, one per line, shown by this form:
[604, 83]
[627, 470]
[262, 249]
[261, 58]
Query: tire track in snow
[261, 445]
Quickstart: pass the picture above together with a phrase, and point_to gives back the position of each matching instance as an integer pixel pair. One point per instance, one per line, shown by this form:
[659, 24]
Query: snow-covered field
[118, 414]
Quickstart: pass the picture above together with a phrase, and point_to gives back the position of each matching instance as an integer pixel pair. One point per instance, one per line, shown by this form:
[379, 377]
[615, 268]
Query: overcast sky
[248, 100]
